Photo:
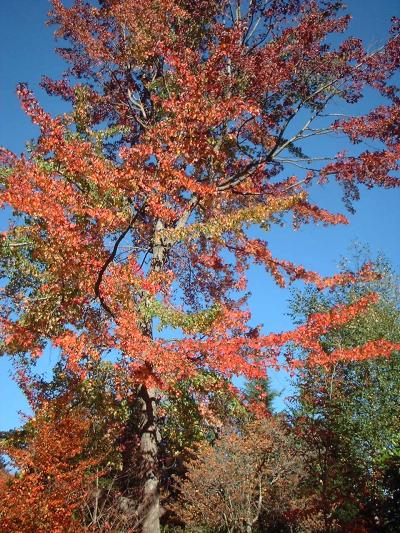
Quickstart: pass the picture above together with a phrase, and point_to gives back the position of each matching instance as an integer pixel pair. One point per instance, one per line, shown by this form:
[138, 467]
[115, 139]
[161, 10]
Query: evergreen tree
[347, 412]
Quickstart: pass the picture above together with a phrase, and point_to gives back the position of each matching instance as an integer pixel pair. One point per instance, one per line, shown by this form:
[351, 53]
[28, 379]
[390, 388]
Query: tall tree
[132, 210]
[347, 412]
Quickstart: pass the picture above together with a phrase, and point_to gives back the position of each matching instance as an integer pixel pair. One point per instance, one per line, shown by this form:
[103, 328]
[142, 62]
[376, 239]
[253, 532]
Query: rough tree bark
[150, 510]
[149, 438]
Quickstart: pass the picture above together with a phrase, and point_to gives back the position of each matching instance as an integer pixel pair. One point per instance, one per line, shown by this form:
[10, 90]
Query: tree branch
[110, 259]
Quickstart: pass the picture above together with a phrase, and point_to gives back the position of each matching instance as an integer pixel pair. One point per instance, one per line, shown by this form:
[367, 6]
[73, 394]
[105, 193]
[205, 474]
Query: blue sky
[27, 52]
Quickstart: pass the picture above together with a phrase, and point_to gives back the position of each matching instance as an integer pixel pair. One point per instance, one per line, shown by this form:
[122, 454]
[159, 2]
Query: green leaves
[348, 412]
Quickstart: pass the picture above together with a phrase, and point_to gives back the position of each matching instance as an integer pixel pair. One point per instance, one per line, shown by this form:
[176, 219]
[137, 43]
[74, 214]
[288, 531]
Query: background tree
[247, 481]
[347, 412]
[259, 391]
[131, 211]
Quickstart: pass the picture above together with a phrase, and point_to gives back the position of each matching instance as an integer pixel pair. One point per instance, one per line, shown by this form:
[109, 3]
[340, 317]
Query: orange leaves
[80, 23]
[320, 323]
[20, 339]
[281, 269]
[137, 208]
[371, 349]
[52, 472]
[308, 336]
[137, 204]
[369, 168]
[306, 212]
[243, 476]
[382, 123]
[249, 356]
[77, 350]
[39, 117]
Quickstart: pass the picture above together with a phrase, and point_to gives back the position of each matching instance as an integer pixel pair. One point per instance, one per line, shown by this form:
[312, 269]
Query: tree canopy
[129, 235]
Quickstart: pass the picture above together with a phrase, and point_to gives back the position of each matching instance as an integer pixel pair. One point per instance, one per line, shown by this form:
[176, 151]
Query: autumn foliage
[247, 481]
[53, 472]
[133, 210]
[193, 152]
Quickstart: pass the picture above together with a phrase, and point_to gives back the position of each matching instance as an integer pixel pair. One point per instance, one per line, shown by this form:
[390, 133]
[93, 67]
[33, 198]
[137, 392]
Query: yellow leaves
[82, 113]
[233, 221]
[169, 316]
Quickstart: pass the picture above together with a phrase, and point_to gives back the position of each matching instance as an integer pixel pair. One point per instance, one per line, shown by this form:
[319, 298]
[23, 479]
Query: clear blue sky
[26, 53]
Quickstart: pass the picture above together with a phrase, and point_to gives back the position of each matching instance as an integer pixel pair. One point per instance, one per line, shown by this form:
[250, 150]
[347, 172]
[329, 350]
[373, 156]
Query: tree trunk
[149, 510]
